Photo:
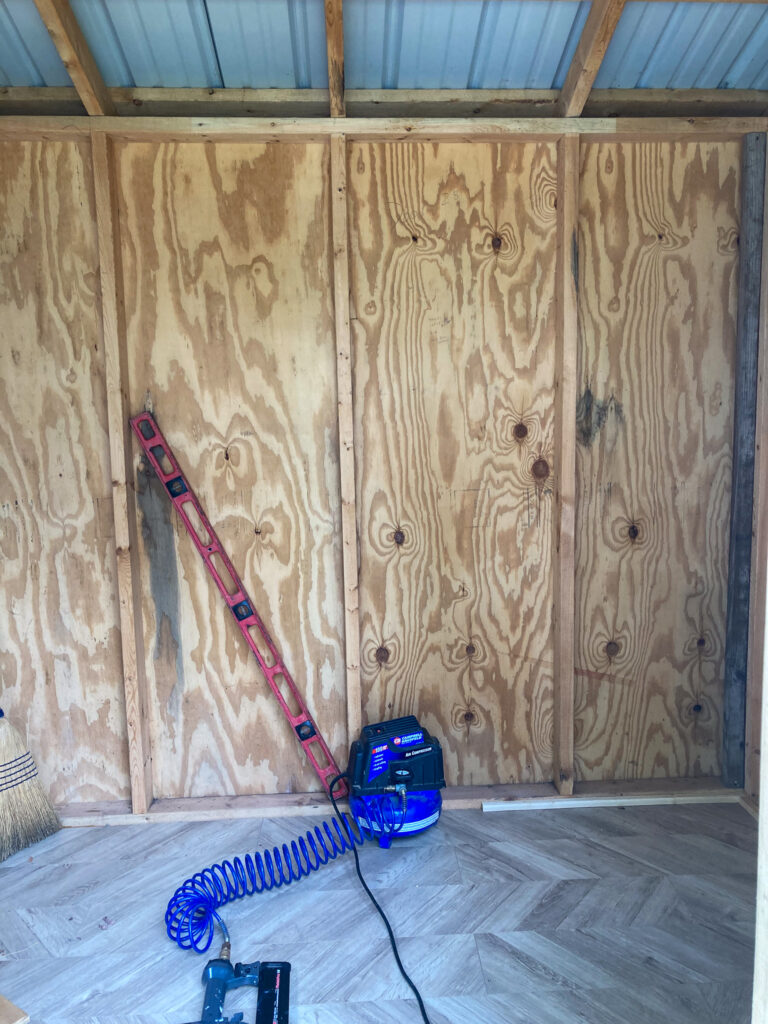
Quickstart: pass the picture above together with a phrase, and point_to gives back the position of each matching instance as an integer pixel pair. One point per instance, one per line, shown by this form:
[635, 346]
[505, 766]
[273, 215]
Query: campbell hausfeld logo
[414, 737]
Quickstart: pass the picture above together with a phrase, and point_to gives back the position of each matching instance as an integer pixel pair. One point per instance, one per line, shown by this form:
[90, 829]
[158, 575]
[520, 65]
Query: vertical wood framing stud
[759, 581]
[565, 455]
[346, 432]
[129, 598]
[744, 438]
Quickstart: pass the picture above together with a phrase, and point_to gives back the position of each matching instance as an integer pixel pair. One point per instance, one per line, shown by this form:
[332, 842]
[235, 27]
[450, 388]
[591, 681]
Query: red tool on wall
[234, 593]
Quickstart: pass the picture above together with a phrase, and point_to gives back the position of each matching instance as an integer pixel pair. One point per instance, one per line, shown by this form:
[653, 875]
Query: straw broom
[26, 815]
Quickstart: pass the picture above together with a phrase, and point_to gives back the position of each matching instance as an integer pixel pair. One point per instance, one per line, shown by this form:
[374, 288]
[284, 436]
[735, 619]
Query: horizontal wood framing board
[371, 129]
[658, 278]
[365, 103]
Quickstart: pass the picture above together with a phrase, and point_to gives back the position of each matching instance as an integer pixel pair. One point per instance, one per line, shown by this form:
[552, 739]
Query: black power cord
[373, 900]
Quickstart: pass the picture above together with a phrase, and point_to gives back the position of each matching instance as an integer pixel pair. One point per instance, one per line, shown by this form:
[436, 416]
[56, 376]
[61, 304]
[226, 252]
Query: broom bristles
[26, 815]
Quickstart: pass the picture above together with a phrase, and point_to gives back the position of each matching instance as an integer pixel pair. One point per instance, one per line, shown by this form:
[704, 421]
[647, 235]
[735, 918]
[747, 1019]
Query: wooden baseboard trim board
[534, 796]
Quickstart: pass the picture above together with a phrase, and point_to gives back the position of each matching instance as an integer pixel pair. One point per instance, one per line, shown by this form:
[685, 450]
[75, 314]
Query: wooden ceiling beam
[76, 56]
[334, 35]
[482, 104]
[598, 30]
[375, 129]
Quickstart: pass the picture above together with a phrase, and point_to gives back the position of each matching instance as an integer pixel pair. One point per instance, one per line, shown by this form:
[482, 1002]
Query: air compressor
[395, 773]
[400, 758]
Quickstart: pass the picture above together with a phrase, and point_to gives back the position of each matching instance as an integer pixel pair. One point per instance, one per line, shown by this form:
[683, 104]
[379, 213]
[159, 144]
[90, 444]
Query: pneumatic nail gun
[272, 981]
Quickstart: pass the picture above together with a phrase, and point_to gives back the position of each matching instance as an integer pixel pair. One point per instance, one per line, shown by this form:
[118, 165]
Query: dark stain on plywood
[592, 413]
[157, 531]
[658, 229]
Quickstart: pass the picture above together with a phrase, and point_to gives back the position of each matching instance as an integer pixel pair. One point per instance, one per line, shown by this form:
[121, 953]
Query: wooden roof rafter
[595, 39]
[334, 37]
[68, 38]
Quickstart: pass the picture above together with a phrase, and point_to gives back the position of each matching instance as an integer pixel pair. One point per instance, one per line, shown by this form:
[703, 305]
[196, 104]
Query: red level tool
[234, 593]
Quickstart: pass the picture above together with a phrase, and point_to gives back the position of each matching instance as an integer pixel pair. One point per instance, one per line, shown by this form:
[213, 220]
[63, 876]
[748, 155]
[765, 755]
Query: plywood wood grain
[658, 254]
[60, 665]
[229, 304]
[452, 281]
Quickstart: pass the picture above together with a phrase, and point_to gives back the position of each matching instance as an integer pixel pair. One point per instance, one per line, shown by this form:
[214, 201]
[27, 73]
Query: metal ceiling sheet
[270, 43]
[150, 42]
[207, 43]
[406, 44]
[688, 46]
[27, 55]
[460, 44]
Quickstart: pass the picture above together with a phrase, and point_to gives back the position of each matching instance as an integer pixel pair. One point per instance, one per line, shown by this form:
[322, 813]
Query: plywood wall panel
[452, 281]
[60, 661]
[658, 255]
[226, 256]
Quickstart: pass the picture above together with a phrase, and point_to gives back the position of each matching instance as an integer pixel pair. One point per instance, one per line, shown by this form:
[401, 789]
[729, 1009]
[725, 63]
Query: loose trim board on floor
[636, 800]
[10, 1014]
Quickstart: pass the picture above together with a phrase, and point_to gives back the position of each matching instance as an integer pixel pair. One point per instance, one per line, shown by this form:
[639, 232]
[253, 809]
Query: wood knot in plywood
[540, 470]
[466, 717]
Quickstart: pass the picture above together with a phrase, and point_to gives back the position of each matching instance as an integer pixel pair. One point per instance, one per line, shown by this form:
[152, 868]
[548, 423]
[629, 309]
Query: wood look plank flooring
[632, 915]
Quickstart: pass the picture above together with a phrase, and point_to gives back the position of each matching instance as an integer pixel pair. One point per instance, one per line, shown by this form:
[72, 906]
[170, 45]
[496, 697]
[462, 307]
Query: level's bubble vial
[242, 611]
[176, 487]
[305, 731]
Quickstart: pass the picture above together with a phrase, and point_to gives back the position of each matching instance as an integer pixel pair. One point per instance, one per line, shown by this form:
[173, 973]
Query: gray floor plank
[585, 916]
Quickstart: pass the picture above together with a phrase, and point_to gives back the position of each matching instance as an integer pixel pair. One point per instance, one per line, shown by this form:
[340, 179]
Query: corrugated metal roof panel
[460, 44]
[150, 42]
[688, 46]
[187, 43]
[27, 55]
[270, 43]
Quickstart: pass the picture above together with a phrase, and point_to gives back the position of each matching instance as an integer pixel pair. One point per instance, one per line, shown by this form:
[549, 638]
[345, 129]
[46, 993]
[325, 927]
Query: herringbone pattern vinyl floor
[642, 915]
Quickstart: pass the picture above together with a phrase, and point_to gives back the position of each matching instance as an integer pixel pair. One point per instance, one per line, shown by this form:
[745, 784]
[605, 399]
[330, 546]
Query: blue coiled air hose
[192, 912]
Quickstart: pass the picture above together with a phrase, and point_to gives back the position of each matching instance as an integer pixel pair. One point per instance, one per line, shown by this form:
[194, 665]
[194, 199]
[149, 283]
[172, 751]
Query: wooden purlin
[566, 343]
[751, 229]
[344, 372]
[390, 103]
[121, 460]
